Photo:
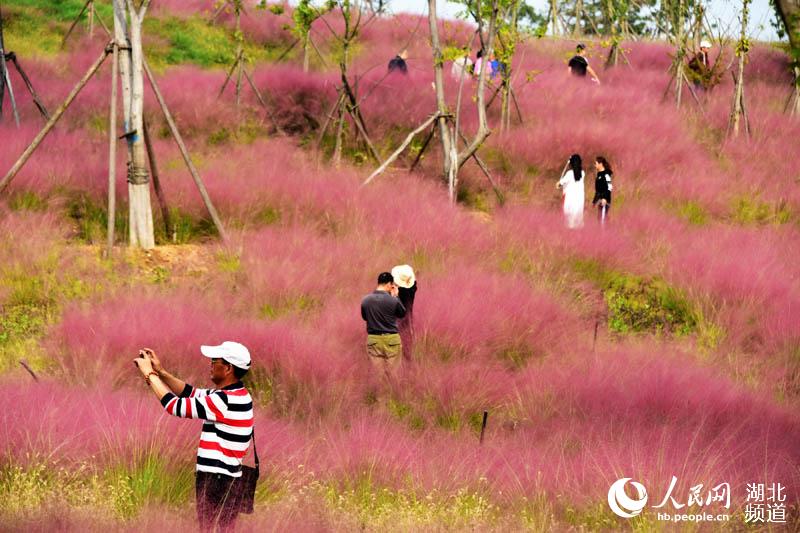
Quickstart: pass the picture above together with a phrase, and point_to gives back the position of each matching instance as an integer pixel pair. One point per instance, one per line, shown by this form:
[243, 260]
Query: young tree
[789, 13]
[140, 214]
[347, 104]
[742, 48]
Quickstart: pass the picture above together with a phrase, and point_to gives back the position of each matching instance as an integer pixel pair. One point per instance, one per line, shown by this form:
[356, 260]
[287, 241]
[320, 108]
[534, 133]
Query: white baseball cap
[233, 352]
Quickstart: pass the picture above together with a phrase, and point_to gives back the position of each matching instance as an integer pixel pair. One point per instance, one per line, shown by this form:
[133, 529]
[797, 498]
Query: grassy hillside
[665, 344]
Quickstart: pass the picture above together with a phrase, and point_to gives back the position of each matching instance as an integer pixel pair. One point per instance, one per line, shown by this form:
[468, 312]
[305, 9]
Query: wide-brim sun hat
[233, 352]
[404, 276]
[705, 44]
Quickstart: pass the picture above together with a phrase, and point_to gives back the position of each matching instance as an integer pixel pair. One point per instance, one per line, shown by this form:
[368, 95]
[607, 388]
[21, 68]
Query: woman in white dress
[571, 184]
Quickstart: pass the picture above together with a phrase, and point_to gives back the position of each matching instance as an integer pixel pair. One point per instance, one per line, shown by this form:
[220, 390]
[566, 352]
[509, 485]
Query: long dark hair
[606, 165]
[576, 165]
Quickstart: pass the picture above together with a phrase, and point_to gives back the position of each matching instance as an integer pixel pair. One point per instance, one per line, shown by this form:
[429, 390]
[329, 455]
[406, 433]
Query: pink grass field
[509, 318]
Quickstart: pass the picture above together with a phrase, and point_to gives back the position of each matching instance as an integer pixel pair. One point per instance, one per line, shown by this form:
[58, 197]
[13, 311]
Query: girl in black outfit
[602, 188]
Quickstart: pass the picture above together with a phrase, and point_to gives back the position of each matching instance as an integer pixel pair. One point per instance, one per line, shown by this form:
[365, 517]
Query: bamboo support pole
[112, 154]
[50, 123]
[162, 199]
[184, 152]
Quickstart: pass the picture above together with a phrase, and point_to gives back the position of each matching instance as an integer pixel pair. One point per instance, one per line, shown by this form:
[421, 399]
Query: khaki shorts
[384, 346]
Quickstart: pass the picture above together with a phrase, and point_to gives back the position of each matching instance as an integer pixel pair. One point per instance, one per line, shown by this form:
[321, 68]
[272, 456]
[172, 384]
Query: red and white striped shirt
[228, 426]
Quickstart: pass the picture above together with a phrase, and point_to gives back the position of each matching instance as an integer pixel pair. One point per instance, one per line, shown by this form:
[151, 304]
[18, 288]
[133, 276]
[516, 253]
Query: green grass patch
[186, 228]
[173, 41]
[406, 413]
[91, 219]
[300, 303]
[29, 32]
[153, 480]
[474, 199]
[749, 211]
[637, 304]
[27, 201]
[692, 212]
[380, 508]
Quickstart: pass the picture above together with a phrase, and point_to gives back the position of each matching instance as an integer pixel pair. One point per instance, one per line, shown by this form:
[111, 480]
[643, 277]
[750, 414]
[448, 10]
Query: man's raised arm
[176, 385]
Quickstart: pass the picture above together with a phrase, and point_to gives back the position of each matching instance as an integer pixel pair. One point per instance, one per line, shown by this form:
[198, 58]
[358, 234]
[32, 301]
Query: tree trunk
[239, 54]
[796, 107]
[680, 76]
[448, 164]
[789, 13]
[140, 211]
[577, 30]
[737, 108]
[306, 46]
[112, 154]
[554, 16]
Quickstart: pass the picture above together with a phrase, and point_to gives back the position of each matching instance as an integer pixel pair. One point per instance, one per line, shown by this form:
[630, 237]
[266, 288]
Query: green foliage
[268, 215]
[474, 199]
[117, 494]
[596, 517]
[380, 508]
[191, 41]
[406, 413]
[92, 219]
[27, 201]
[750, 210]
[638, 305]
[693, 213]
[188, 228]
[28, 30]
[151, 480]
[290, 304]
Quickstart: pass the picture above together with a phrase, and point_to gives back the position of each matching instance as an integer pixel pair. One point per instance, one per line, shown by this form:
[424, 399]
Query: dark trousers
[217, 501]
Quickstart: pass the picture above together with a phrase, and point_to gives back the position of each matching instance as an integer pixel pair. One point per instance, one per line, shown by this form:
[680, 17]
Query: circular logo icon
[621, 504]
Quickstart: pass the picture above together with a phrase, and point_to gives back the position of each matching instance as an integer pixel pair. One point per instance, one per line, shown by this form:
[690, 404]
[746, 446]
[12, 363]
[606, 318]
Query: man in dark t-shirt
[579, 65]
[380, 310]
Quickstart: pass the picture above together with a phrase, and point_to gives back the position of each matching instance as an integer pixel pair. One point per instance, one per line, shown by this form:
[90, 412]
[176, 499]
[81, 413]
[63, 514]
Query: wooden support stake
[75, 22]
[402, 147]
[328, 118]
[50, 123]
[162, 200]
[423, 148]
[287, 50]
[485, 170]
[27, 367]
[112, 154]
[6, 80]
[263, 103]
[185, 153]
[483, 424]
[228, 77]
[29, 85]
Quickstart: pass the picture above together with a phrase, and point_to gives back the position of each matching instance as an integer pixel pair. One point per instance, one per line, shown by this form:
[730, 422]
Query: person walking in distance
[602, 188]
[579, 65]
[380, 310]
[227, 411]
[406, 283]
[571, 184]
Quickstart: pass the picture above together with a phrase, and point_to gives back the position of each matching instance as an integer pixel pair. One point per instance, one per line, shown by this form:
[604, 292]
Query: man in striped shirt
[227, 431]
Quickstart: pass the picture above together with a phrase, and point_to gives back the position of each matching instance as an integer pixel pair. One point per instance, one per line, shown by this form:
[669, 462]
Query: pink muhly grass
[95, 426]
[485, 314]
